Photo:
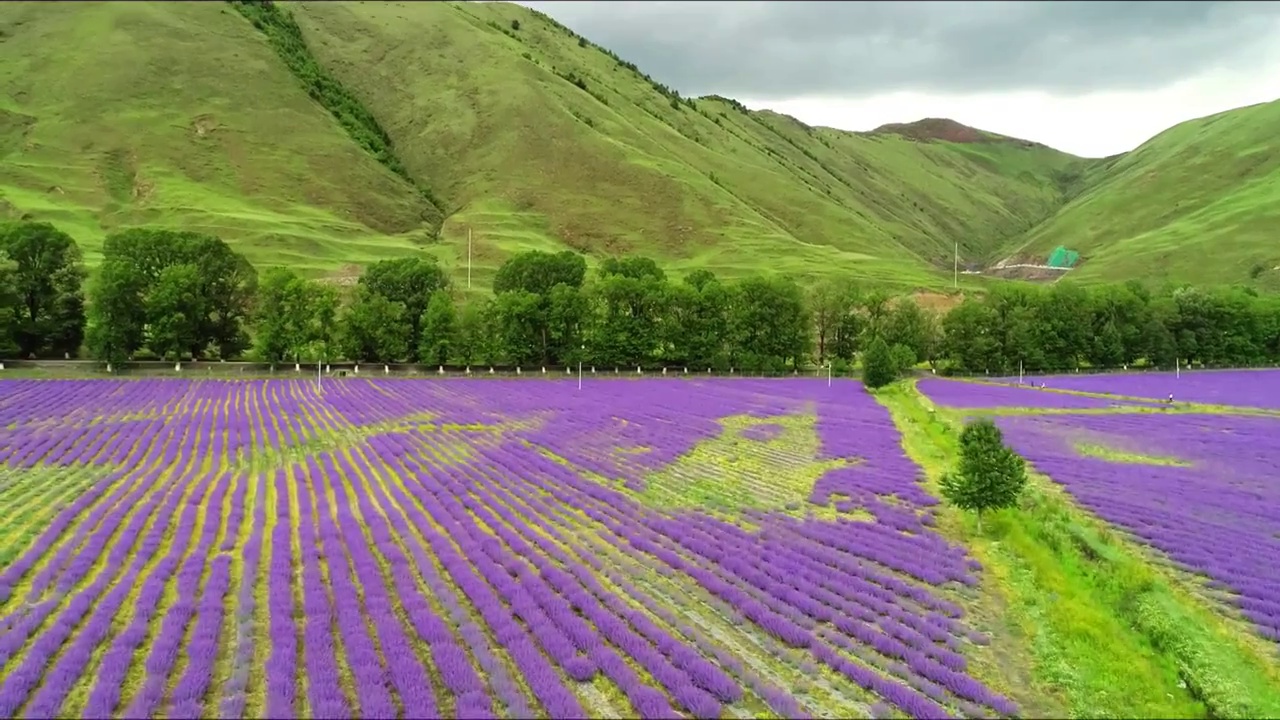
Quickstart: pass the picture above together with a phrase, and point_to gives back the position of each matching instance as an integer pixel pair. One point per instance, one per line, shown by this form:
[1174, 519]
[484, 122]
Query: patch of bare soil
[937, 302]
[204, 125]
[346, 276]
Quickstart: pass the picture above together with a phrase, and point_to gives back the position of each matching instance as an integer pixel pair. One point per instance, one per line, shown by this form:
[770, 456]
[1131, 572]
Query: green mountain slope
[493, 121]
[1199, 202]
[116, 114]
[537, 138]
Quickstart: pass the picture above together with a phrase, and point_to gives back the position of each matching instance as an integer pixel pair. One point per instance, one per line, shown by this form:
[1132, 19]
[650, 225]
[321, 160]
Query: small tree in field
[878, 366]
[989, 476]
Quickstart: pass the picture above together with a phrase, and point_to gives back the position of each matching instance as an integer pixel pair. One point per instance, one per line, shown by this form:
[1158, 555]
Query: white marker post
[584, 350]
[1177, 367]
[828, 373]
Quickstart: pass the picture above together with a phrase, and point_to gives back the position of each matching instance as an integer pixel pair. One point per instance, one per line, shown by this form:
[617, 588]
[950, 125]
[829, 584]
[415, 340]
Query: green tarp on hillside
[1061, 257]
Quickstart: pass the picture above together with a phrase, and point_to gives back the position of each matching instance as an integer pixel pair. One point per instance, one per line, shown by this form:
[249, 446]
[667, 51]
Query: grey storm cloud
[772, 50]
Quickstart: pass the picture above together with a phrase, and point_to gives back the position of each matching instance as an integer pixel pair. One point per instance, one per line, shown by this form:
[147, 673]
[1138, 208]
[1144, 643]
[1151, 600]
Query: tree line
[175, 295]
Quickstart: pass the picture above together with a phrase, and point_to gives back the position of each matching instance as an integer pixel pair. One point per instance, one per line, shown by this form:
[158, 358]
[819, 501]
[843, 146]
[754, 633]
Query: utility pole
[468, 258]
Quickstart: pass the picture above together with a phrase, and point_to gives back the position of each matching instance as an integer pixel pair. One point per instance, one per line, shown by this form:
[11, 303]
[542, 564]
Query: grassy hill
[538, 138]
[494, 120]
[1199, 202]
[117, 114]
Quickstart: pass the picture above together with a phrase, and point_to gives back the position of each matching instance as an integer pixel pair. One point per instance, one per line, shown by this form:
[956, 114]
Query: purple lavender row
[168, 642]
[814, 539]
[681, 656]
[56, 529]
[682, 668]
[22, 680]
[675, 679]
[324, 690]
[78, 559]
[833, 584]
[878, 593]
[282, 664]
[784, 625]
[132, 490]
[646, 701]
[965, 394]
[785, 629]
[541, 678]
[1249, 388]
[548, 627]
[405, 669]
[372, 680]
[105, 693]
[923, 657]
[474, 581]
[233, 694]
[427, 625]
[188, 696]
[1218, 517]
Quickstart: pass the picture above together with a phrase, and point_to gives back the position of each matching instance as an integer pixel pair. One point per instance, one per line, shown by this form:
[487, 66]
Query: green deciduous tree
[989, 475]
[8, 307]
[134, 261]
[626, 316]
[768, 324]
[904, 358]
[117, 316]
[439, 329]
[374, 329]
[294, 319]
[517, 324]
[557, 316]
[48, 279]
[175, 308]
[473, 336]
[409, 281]
[537, 272]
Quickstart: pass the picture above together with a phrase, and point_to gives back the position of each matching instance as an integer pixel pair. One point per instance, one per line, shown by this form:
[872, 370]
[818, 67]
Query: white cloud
[1090, 125]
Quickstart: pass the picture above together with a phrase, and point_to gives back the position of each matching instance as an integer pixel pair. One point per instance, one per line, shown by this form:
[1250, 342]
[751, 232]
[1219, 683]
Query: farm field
[1201, 487]
[641, 548]
[1244, 388]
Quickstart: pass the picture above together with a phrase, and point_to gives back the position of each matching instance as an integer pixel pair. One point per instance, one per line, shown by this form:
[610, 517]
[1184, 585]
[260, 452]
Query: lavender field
[648, 548]
[1204, 489]
[1244, 388]
[966, 394]
[1201, 488]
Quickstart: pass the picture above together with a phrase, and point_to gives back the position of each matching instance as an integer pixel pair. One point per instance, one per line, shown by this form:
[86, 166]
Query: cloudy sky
[1092, 78]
